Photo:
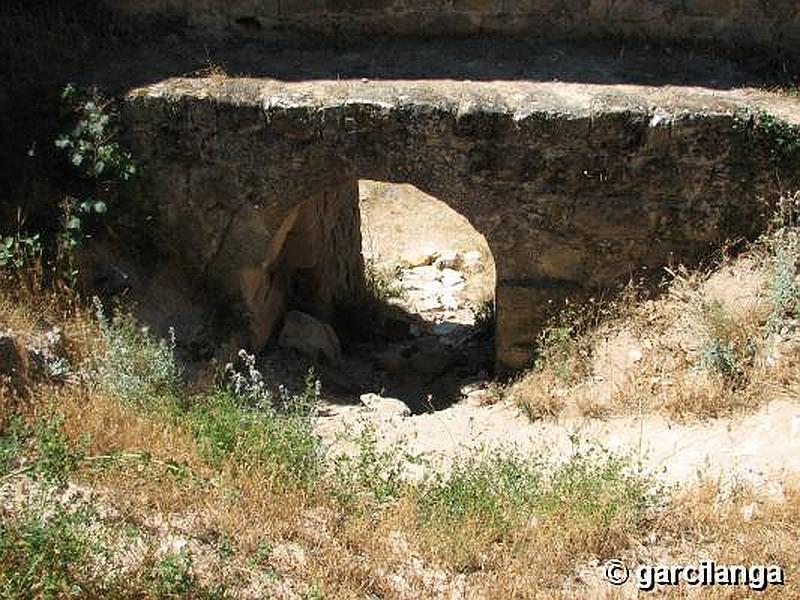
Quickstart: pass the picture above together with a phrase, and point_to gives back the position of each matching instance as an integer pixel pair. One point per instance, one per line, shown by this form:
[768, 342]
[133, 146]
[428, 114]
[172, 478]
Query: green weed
[502, 491]
[242, 421]
[173, 576]
[135, 366]
[45, 554]
[730, 347]
[55, 457]
[783, 138]
[369, 474]
[12, 443]
[382, 284]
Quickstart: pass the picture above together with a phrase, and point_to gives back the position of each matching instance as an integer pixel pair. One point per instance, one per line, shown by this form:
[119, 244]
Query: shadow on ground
[474, 59]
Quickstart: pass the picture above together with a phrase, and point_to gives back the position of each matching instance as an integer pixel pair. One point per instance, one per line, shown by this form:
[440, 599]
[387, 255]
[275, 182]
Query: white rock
[635, 355]
[448, 301]
[385, 407]
[451, 277]
[419, 274]
[423, 302]
[311, 337]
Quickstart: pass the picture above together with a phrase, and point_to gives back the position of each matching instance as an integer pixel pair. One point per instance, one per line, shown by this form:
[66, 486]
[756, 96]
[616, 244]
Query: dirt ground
[398, 220]
[760, 447]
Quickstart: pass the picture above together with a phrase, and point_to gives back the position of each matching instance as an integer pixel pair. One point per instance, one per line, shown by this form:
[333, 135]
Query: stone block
[478, 6]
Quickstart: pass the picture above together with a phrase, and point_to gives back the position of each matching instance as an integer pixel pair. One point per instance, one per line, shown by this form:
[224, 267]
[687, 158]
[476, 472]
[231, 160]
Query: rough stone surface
[573, 186]
[774, 24]
[25, 359]
[310, 337]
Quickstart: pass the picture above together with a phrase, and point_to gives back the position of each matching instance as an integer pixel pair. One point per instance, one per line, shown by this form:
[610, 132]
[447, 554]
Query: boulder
[419, 276]
[472, 258]
[25, 360]
[310, 337]
[385, 407]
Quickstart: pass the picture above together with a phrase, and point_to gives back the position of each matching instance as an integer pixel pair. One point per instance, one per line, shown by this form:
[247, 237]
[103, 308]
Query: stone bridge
[574, 186]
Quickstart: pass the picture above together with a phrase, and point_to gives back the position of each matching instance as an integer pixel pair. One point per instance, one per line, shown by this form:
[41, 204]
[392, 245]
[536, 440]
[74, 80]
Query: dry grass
[739, 526]
[346, 550]
[161, 481]
[702, 349]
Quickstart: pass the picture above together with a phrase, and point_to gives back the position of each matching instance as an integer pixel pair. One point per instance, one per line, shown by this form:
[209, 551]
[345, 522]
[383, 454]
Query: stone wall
[309, 259]
[773, 24]
[573, 190]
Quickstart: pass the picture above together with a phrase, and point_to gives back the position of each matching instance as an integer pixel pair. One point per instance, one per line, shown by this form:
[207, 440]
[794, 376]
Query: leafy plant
[173, 576]
[382, 284]
[783, 138]
[90, 145]
[783, 241]
[494, 489]
[136, 366]
[730, 346]
[55, 457]
[500, 497]
[12, 442]
[484, 316]
[784, 291]
[19, 251]
[597, 486]
[101, 166]
[244, 421]
[369, 473]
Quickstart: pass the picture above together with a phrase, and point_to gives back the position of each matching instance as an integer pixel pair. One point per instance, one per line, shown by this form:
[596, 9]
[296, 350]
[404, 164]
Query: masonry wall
[772, 24]
[312, 262]
[571, 200]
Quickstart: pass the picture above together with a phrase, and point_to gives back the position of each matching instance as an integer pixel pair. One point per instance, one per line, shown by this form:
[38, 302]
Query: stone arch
[571, 195]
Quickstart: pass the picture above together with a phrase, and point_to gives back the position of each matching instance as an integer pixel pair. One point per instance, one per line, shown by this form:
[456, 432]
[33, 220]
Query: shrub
[783, 289]
[783, 139]
[12, 442]
[90, 145]
[173, 576]
[135, 366]
[98, 169]
[55, 457]
[600, 488]
[730, 345]
[382, 284]
[20, 251]
[564, 346]
[496, 490]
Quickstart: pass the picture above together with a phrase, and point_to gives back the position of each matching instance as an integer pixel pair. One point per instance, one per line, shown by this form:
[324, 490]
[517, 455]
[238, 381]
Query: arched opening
[430, 278]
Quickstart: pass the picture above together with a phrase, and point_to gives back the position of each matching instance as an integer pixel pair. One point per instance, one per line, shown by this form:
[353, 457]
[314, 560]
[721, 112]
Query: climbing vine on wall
[99, 167]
